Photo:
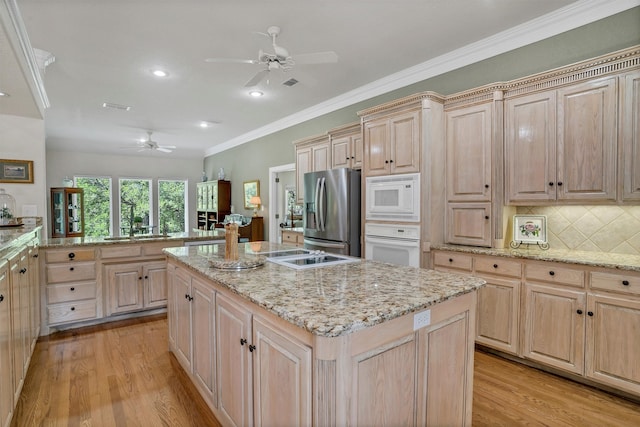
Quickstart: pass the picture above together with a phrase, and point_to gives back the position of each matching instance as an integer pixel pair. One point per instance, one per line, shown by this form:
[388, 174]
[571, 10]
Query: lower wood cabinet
[6, 379]
[135, 286]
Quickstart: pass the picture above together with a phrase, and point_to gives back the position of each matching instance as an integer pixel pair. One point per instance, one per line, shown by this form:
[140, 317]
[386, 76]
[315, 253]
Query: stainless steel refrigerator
[331, 218]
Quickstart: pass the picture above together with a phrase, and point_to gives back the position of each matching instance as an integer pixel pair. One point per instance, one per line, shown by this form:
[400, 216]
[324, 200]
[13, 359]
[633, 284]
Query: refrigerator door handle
[324, 244]
[323, 190]
[316, 203]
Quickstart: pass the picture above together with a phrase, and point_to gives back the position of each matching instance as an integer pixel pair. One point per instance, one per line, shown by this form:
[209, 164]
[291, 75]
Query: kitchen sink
[137, 237]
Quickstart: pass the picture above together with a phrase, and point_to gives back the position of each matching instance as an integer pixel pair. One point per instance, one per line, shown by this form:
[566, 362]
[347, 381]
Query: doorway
[280, 178]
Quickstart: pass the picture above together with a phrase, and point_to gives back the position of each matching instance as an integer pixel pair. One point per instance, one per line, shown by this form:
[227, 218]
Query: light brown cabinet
[630, 136]
[561, 144]
[293, 237]
[213, 203]
[135, 286]
[392, 144]
[312, 154]
[346, 146]
[6, 380]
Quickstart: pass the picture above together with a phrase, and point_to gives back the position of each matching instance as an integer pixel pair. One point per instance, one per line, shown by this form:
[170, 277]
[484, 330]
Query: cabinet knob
[486, 186]
[495, 265]
[186, 296]
[72, 289]
[347, 157]
[1, 297]
[450, 259]
[386, 161]
[251, 348]
[390, 161]
[559, 183]
[22, 271]
[73, 309]
[579, 311]
[590, 313]
[352, 157]
[243, 341]
[486, 217]
[146, 277]
[35, 255]
[71, 268]
[72, 255]
[625, 282]
[551, 184]
[552, 273]
[140, 278]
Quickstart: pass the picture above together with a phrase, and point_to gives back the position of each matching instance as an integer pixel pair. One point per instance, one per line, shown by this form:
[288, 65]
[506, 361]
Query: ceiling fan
[279, 59]
[150, 144]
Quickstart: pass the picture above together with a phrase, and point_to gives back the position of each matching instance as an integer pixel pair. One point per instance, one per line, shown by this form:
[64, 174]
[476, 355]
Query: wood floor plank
[122, 374]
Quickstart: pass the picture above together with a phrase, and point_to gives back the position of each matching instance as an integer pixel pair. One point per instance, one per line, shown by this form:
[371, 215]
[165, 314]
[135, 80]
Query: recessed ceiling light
[256, 93]
[159, 73]
[4, 94]
[116, 106]
[204, 124]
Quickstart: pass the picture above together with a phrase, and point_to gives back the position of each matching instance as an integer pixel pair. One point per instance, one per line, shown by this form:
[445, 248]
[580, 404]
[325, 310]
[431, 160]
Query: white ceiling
[104, 51]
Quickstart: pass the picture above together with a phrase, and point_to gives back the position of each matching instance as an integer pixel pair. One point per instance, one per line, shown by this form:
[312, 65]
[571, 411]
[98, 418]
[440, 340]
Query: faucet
[131, 206]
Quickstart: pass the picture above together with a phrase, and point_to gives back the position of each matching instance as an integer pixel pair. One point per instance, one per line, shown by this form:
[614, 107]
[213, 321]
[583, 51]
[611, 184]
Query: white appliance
[393, 198]
[395, 244]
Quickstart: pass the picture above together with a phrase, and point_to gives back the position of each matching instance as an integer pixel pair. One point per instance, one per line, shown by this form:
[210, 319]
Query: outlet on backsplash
[591, 228]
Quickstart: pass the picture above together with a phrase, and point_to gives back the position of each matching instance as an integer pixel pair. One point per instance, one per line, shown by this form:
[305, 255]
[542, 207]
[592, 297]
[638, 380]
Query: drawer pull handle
[590, 313]
[625, 282]
[495, 265]
[72, 289]
[73, 309]
[579, 311]
[70, 268]
[552, 273]
[72, 255]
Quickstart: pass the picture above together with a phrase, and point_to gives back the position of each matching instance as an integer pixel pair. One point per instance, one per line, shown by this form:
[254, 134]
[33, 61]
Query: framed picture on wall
[530, 229]
[251, 189]
[16, 171]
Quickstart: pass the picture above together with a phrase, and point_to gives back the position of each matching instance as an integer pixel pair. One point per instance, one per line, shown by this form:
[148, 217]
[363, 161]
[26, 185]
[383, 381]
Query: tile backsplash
[591, 228]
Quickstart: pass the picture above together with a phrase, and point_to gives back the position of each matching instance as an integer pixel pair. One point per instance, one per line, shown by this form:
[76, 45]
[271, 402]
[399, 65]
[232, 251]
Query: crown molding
[575, 15]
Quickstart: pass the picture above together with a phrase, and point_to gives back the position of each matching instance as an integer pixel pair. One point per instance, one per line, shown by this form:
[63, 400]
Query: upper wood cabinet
[562, 144]
[469, 153]
[630, 135]
[312, 154]
[346, 146]
[392, 144]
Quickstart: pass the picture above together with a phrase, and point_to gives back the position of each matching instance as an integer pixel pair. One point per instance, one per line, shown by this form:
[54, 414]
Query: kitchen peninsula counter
[191, 236]
[360, 343]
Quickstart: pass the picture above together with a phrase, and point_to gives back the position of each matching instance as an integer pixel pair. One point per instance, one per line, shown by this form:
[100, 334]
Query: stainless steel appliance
[395, 244]
[331, 212]
[393, 198]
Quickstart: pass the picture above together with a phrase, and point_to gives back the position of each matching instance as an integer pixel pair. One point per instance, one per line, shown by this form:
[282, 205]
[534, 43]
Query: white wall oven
[395, 244]
[393, 198]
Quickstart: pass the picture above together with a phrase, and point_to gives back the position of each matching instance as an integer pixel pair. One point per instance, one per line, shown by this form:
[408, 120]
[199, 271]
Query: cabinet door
[405, 143]
[531, 147]
[125, 287]
[155, 284]
[17, 339]
[181, 282]
[235, 397]
[357, 151]
[554, 327]
[613, 341]
[376, 147]
[341, 152]
[587, 140]
[303, 165]
[321, 157]
[34, 294]
[200, 197]
[469, 154]
[284, 365]
[498, 314]
[630, 133]
[469, 224]
[6, 390]
[204, 333]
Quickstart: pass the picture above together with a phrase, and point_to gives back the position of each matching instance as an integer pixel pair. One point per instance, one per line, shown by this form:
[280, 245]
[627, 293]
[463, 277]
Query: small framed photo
[251, 189]
[530, 229]
[16, 171]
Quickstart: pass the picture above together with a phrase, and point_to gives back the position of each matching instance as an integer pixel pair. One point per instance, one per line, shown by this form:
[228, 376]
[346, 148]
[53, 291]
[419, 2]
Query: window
[135, 206]
[171, 206]
[97, 204]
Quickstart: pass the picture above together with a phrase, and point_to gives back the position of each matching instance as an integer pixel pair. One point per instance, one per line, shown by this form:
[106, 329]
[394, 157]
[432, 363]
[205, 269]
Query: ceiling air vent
[116, 106]
[290, 82]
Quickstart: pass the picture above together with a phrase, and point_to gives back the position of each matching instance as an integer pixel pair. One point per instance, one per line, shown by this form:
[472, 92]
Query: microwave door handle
[316, 202]
[323, 190]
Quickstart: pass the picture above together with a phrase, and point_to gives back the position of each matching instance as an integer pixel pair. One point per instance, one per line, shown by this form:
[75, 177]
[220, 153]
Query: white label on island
[422, 319]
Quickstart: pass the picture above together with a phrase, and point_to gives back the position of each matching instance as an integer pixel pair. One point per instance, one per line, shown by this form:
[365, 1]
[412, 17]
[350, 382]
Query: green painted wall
[252, 160]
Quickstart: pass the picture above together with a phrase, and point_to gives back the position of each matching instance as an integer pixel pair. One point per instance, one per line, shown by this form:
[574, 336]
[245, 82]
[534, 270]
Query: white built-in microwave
[393, 198]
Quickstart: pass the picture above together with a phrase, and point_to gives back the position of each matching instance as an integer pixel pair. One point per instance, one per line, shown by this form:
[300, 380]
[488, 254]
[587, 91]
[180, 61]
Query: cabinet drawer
[499, 266]
[627, 283]
[71, 272]
[69, 255]
[72, 312]
[452, 260]
[70, 292]
[121, 251]
[291, 238]
[552, 273]
[156, 248]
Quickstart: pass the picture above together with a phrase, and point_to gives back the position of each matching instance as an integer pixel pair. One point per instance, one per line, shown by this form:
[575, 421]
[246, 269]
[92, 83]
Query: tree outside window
[97, 204]
[171, 205]
[135, 205]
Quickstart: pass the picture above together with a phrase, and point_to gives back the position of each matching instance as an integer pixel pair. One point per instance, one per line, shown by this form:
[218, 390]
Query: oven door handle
[405, 243]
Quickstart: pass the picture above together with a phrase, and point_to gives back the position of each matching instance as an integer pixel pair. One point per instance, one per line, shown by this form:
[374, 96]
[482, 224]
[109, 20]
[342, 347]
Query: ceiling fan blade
[231, 61]
[316, 58]
[170, 147]
[164, 150]
[257, 78]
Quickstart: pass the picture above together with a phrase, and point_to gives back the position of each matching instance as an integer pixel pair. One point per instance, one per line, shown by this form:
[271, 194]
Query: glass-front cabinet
[67, 212]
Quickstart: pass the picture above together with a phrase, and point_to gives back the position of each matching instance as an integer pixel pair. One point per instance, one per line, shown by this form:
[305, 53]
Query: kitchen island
[362, 343]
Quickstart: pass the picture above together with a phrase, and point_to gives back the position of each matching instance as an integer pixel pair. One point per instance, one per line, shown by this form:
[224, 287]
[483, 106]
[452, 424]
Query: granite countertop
[594, 259]
[333, 300]
[194, 235]
[11, 235]
[293, 229]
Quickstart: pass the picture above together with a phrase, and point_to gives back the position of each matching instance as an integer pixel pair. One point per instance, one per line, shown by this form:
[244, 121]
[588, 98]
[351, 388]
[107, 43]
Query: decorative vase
[221, 174]
[205, 178]
[7, 208]
[67, 182]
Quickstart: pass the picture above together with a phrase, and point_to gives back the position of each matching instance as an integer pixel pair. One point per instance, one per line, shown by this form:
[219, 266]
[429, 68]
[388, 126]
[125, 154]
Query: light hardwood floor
[123, 375]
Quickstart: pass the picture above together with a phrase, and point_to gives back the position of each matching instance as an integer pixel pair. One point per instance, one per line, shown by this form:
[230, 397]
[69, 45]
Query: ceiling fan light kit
[151, 145]
[280, 60]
